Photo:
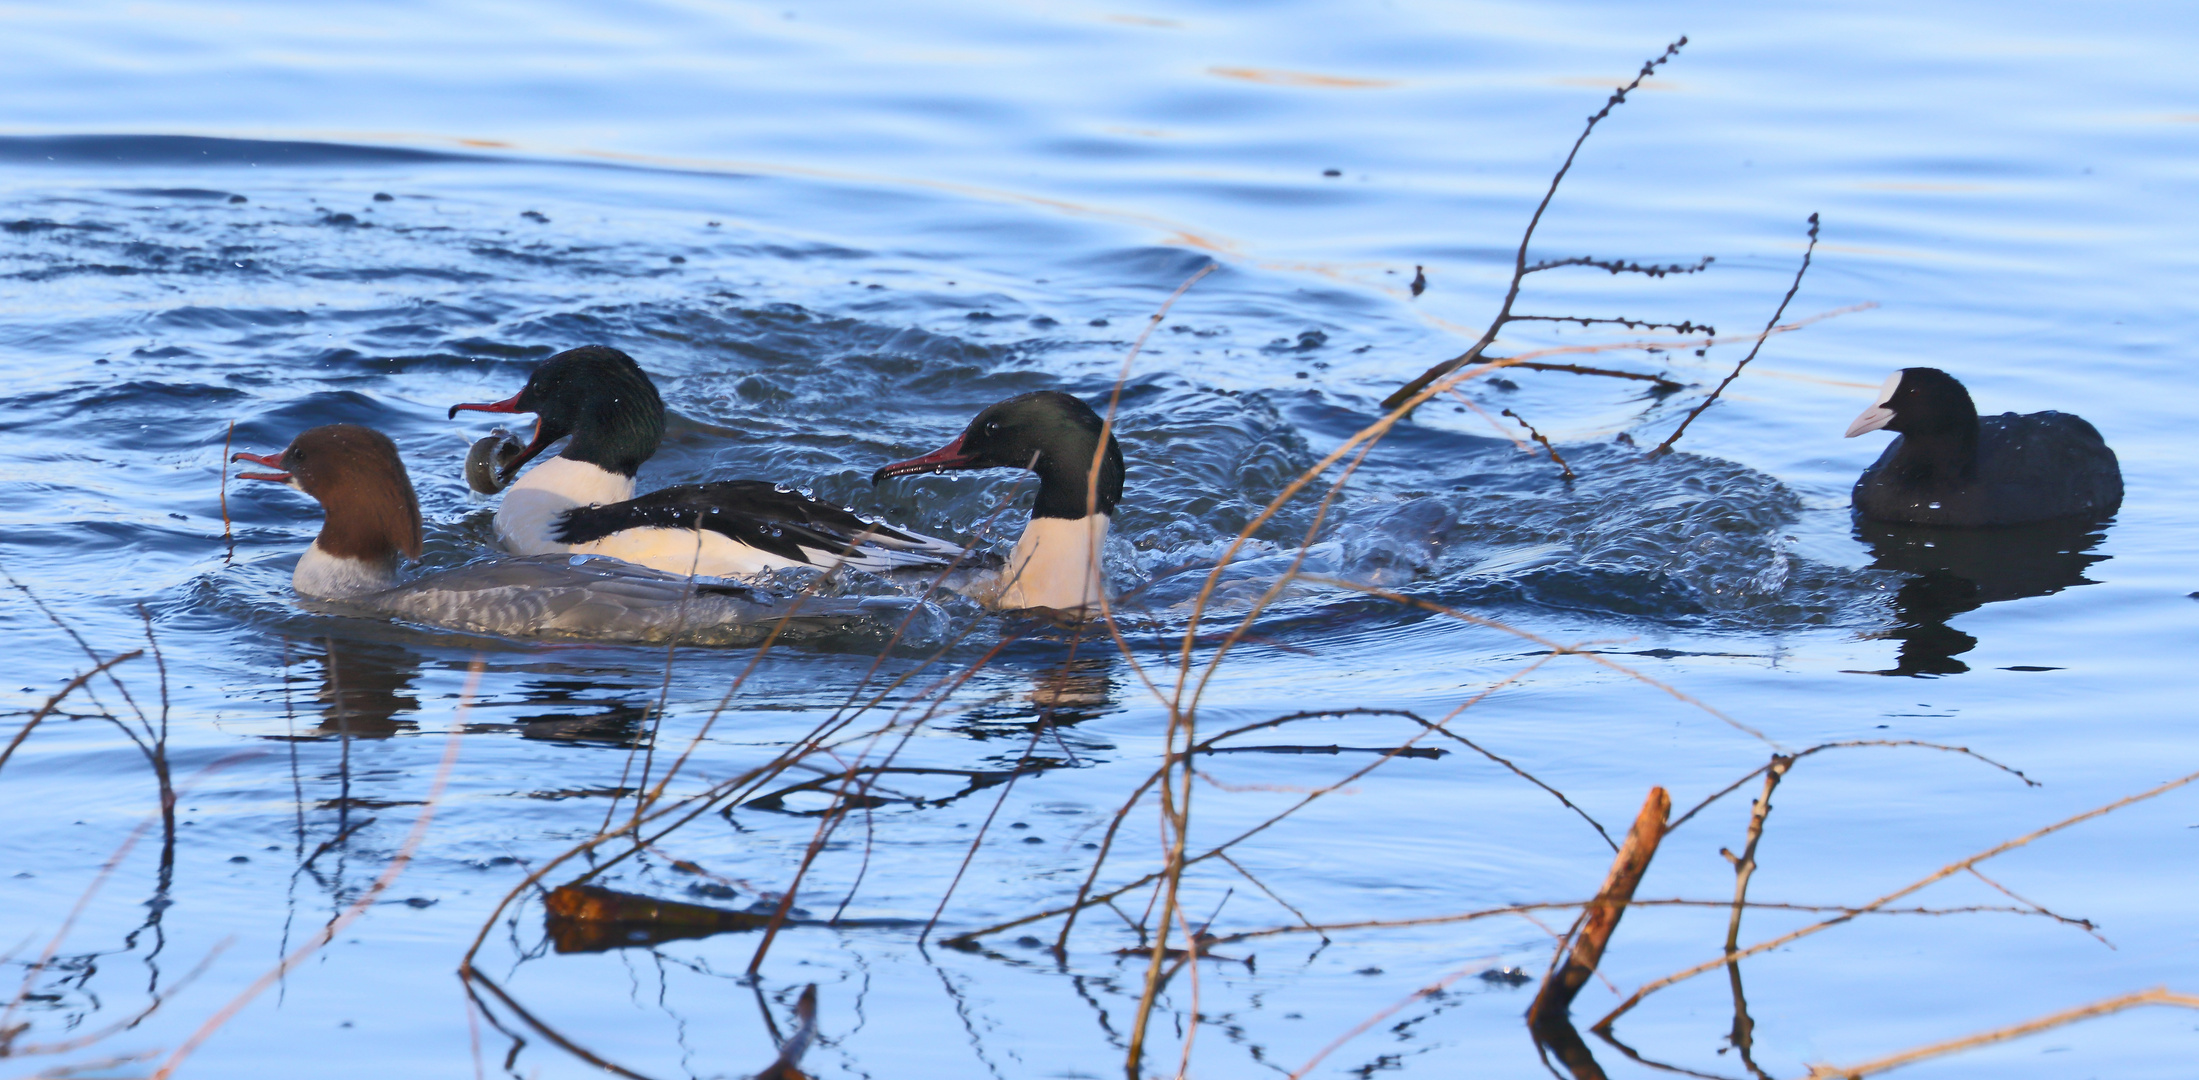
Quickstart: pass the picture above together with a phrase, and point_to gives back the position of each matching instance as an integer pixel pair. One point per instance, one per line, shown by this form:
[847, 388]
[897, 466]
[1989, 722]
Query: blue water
[832, 233]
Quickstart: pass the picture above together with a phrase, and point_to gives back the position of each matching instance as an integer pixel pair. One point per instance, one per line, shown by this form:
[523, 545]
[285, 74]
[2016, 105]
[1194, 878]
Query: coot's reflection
[1951, 571]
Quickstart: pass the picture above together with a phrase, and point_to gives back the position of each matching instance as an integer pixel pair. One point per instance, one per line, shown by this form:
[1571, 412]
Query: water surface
[834, 233]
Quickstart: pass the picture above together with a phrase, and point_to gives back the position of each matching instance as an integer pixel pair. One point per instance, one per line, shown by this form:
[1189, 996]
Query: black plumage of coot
[1948, 467]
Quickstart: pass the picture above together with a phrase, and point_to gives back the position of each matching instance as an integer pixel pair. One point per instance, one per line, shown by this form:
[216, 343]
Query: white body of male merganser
[582, 501]
[1056, 562]
[372, 525]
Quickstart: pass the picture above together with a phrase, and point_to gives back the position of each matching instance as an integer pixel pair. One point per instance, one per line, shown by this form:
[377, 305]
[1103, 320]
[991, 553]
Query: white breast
[532, 505]
[1055, 564]
[323, 576]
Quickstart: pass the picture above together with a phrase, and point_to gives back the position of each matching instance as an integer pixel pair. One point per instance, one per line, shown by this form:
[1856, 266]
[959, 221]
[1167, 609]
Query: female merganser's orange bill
[582, 501]
[1056, 562]
[1951, 468]
[372, 524]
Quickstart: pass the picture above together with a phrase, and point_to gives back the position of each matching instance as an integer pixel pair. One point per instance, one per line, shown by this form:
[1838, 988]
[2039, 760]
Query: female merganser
[582, 501]
[372, 524]
[1950, 468]
[1056, 562]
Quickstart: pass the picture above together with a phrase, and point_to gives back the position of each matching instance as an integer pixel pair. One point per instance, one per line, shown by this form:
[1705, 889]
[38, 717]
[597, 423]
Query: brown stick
[1745, 866]
[1556, 995]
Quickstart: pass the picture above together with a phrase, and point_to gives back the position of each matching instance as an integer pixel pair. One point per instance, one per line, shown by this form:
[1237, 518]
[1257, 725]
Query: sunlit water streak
[833, 234]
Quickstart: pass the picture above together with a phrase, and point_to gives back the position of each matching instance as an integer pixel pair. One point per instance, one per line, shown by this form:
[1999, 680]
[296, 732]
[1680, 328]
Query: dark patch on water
[187, 150]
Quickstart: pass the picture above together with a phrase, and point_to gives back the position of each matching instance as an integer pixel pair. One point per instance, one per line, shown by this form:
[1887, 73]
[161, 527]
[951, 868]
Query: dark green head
[1047, 432]
[600, 397]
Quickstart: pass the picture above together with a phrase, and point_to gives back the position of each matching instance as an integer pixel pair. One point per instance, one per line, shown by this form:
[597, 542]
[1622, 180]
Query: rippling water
[833, 233]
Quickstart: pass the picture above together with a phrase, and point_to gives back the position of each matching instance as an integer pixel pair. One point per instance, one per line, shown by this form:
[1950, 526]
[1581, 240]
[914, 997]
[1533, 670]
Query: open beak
[950, 456]
[542, 437]
[272, 461]
[508, 405]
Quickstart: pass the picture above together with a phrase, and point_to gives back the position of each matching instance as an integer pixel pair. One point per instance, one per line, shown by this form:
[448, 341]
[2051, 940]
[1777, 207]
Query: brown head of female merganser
[1056, 562]
[372, 517]
[582, 501]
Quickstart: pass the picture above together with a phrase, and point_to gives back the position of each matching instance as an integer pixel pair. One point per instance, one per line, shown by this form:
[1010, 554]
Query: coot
[1950, 468]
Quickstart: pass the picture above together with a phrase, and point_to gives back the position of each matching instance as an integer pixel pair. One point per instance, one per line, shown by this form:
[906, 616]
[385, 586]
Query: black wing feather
[757, 513]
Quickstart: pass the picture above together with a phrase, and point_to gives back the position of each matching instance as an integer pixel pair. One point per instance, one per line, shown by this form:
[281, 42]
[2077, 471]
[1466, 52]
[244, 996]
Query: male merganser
[1950, 468]
[1056, 562]
[372, 524]
[582, 501]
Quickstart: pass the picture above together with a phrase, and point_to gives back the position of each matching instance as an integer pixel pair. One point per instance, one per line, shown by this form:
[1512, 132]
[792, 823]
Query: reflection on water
[364, 687]
[1952, 571]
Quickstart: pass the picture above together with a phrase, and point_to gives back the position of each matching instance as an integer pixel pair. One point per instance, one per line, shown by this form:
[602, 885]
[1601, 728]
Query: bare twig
[2159, 995]
[1564, 469]
[1944, 872]
[1519, 263]
[1663, 384]
[1620, 266]
[1844, 745]
[226, 538]
[47, 709]
[1665, 447]
[1744, 867]
[1682, 327]
[358, 907]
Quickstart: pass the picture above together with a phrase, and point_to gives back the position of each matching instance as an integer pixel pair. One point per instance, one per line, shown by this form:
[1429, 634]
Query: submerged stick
[785, 1066]
[1558, 991]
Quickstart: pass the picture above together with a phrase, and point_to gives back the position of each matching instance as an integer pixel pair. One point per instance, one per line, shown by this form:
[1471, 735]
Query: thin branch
[2159, 995]
[1682, 327]
[1616, 266]
[1942, 873]
[47, 709]
[226, 537]
[1665, 447]
[358, 907]
[1564, 469]
[1519, 263]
